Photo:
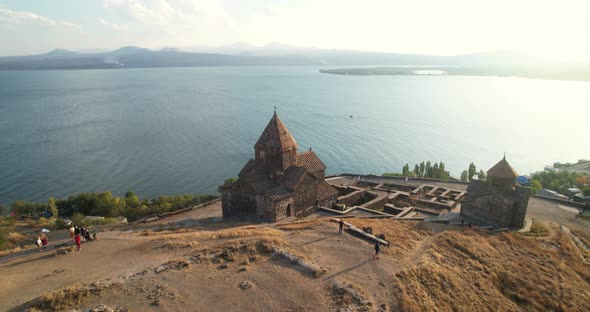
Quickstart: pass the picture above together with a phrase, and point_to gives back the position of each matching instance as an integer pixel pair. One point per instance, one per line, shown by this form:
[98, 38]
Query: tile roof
[247, 168]
[325, 191]
[310, 161]
[259, 182]
[502, 170]
[276, 137]
[278, 193]
[292, 176]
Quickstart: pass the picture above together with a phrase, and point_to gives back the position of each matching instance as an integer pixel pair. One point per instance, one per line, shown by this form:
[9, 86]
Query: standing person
[72, 232]
[76, 230]
[78, 239]
[83, 233]
[340, 226]
[44, 240]
[377, 249]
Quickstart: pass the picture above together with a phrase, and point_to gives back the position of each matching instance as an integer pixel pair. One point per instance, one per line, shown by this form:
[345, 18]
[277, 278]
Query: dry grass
[403, 236]
[10, 251]
[538, 229]
[299, 225]
[68, 297]
[16, 238]
[464, 271]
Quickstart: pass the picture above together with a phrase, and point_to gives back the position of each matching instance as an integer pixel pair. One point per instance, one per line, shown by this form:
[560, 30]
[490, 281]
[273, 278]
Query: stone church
[498, 201]
[278, 182]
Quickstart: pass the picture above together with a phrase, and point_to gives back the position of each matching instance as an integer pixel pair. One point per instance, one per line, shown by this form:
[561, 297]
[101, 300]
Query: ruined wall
[377, 203]
[352, 199]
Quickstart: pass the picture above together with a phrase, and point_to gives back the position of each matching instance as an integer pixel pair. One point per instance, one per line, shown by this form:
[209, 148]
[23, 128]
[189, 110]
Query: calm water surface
[184, 130]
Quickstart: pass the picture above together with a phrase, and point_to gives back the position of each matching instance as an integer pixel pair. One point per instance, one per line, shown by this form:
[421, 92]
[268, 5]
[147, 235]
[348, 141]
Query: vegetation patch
[538, 229]
[463, 271]
[68, 297]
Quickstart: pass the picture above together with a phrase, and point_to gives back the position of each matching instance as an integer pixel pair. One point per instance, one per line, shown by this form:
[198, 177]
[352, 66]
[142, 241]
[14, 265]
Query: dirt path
[33, 274]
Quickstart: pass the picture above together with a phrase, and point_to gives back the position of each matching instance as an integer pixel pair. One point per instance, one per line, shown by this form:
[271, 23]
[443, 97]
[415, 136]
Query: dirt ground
[195, 262]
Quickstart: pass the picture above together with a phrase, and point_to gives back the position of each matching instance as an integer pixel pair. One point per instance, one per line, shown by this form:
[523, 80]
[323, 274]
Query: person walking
[377, 249]
[72, 232]
[340, 226]
[78, 241]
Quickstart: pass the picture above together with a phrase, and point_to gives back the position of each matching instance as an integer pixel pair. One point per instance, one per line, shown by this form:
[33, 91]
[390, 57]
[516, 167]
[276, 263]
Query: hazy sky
[556, 29]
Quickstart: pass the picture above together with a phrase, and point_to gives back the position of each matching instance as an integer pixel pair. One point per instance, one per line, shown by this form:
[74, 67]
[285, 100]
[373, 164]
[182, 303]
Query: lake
[184, 130]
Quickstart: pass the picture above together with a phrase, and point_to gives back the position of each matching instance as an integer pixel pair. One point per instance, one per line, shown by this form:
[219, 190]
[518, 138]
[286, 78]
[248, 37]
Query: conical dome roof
[276, 137]
[502, 170]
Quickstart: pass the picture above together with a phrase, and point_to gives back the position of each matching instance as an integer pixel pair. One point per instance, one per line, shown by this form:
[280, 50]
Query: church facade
[499, 201]
[278, 182]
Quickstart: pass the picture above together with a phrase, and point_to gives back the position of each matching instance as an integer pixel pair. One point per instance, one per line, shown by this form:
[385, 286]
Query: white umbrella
[44, 231]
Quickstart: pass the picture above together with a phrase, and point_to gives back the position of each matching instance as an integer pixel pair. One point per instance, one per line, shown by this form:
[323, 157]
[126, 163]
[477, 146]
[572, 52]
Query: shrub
[61, 224]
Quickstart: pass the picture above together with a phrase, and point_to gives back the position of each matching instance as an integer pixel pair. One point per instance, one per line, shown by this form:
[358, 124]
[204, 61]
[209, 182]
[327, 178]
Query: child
[38, 242]
[78, 238]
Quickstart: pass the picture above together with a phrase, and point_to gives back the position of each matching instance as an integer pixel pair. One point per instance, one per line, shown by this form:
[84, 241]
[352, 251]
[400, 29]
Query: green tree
[481, 175]
[416, 170]
[464, 175]
[471, 171]
[406, 170]
[435, 171]
[226, 183]
[131, 200]
[535, 186]
[3, 210]
[53, 207]
[422, 168]
[428, 170]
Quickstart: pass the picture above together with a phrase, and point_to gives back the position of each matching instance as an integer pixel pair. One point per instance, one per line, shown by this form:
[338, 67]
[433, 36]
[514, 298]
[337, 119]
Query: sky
[556, 30]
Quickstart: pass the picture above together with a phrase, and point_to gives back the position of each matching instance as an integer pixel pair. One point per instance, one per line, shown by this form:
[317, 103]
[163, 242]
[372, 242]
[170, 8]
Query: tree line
[423, 170]
[560, 181]
[436, 171]
[106, 205]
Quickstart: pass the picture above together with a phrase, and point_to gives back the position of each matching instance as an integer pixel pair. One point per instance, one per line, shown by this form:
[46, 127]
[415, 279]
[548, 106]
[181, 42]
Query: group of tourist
[77, 234]
[41, 241]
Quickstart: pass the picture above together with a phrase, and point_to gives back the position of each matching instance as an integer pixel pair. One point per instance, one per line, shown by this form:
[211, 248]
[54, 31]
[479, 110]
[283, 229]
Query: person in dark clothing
[340, 226]
[377, 249]
[76, 230]
[87, 235]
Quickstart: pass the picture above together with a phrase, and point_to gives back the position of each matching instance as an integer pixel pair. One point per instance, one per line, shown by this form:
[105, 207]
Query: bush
[41, 221]
[61, 224]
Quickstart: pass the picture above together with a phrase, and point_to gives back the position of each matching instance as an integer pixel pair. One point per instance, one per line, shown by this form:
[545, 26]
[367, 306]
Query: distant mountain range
[276, 54]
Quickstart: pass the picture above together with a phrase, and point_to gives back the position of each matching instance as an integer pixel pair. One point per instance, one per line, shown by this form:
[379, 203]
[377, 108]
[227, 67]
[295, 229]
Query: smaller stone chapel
[278, 183]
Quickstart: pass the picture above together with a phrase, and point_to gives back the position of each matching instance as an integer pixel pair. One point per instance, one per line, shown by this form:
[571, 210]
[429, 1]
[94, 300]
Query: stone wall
[488, 205]
[377, 204]
[356, 198]
[237, 200]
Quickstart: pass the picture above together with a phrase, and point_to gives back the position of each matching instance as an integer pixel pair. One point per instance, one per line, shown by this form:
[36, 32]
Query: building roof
[325, 191]
[292, 176]
[276, 137]
[574, 190]
[502, 170]
[278, 194]
[259, 182]
[310, 161]
[247, 168]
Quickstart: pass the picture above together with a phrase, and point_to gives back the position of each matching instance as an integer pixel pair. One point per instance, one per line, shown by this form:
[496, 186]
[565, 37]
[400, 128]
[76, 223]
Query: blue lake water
[184, 130]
